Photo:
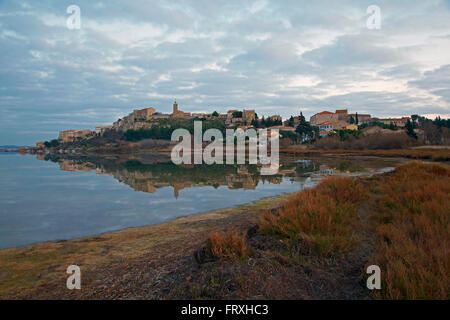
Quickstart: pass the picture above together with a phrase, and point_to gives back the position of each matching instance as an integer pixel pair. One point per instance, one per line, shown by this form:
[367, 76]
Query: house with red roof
[323, 116]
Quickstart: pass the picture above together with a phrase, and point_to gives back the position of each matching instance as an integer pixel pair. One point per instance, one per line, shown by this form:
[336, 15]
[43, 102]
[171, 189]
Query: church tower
[175, 107]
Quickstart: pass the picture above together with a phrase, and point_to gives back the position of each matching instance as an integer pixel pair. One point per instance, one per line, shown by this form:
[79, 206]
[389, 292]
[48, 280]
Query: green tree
[304, 128]
[352, 120]
[290, 122]
[356, 119]
[52, 143]
[215, 114]
[263, 122]
[410, 129]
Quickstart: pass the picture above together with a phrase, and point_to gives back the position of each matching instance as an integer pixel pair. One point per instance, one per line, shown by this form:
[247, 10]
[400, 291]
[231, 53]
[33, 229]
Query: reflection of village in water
[148, 176]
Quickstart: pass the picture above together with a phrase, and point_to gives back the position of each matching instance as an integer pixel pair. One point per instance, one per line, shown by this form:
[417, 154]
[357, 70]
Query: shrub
[52, 143]
[227, 245]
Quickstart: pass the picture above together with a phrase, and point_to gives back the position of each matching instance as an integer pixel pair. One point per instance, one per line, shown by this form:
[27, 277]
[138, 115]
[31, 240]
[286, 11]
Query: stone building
[399, 122]
[230, 113]
[248, 115]
[275, 118]
[340, 116]
[141, 115]
[322, 117]
[101, 130]
[72, 135]
[362, 118]
[178, 113]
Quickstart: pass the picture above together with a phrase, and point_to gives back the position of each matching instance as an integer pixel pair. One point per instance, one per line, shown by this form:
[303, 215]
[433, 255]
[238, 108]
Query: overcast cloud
[278, 57]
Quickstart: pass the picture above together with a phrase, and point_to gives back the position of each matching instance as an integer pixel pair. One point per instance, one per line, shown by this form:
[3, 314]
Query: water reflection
[65, 197]
[149, 174]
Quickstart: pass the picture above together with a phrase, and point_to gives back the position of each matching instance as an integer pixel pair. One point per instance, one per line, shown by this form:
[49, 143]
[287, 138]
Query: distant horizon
[270, 56]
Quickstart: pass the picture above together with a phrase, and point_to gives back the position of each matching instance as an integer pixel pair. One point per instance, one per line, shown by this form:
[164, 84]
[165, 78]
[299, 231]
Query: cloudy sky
[278, 57]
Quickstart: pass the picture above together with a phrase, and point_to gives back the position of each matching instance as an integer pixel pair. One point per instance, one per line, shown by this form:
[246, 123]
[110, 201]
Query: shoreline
[24, 269]
[425, 153]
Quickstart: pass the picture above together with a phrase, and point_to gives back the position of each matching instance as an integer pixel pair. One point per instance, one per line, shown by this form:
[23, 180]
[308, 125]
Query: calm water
[55, 199]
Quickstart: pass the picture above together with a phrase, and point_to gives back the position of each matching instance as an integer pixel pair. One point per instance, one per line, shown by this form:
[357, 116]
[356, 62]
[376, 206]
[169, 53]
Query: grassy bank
[398, 221]
[412, 219]
[418, 154]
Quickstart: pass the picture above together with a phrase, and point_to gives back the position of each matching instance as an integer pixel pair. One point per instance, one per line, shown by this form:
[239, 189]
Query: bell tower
[175, 107]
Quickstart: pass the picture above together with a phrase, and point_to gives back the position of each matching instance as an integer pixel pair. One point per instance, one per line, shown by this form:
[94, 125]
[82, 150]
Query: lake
[59, 198]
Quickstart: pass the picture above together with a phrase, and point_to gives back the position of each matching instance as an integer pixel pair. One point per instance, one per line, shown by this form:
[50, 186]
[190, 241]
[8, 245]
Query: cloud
[275, 57]
[437, 82]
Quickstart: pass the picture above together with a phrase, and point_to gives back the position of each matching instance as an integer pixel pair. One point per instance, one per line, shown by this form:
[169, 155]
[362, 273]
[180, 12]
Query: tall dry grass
[227, 245]
[323, 218]
[410, 213]
[432, 154]
[384, 141]
[413, 233]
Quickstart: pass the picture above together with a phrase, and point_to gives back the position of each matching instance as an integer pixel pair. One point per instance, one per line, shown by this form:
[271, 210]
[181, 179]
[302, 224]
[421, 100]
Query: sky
[277, 57]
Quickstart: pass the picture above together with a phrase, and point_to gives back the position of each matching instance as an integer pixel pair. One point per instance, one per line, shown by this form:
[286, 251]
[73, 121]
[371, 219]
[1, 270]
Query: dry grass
[409, 211]
[323, 218]
[227, 245]
[413, 237]
[423, 154]
[381, 140]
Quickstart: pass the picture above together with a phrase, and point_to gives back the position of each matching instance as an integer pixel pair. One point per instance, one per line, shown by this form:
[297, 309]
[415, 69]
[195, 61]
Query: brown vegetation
[423, 154]
[385, 141]
[324, 217]
[413, 235]
[228, 245]
[406, 214]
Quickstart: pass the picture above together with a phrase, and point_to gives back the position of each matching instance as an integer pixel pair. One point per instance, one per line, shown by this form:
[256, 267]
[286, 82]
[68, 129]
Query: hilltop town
[147, 117]
[340, 128]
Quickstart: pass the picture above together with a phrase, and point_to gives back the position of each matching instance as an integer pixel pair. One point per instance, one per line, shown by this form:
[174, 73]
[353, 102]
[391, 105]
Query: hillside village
[143, 118]
[149, 123]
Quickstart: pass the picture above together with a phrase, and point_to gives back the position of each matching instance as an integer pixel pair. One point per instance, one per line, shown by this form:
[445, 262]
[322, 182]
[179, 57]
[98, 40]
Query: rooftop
[327, 122]
[325, 112]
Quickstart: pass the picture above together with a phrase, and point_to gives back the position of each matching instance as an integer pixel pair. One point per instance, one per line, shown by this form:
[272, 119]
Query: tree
[352, 120]
[304, 128]
[291, 122]
[263, 122]
[410, 129]
[392, 126]
[215, 114]
[51, 143]
[301, 118]
[356, 119]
